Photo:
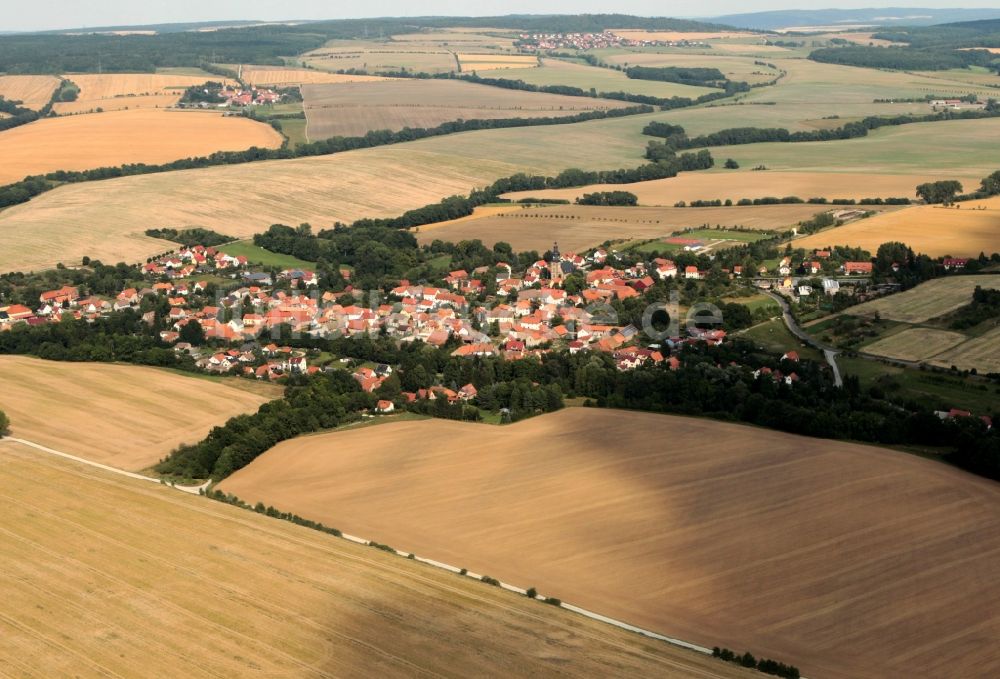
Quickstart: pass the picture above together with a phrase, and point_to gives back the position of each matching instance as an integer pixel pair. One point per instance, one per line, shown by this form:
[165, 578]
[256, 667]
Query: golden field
[915, 344]
[746, 183]
[117, 91]
[353, 109]
[931, 229]
[107, 576]
[816, 552]
[579, 227]
[928, 300]
[107, 139]
[123, 416]
[34, 91]
[981, 353]
[107, 219]
[264, 76]
[493, 62]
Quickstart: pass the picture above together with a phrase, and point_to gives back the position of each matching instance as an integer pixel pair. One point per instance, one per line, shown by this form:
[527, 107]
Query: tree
[193, 333]
[732, 164]
[939, 192]
[991, 184]
[4, 424]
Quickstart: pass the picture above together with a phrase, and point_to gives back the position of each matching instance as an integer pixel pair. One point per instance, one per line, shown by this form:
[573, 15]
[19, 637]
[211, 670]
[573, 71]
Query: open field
[739, 69]
[107, 219]
[116, 91]
[266, 76]
[746, 183]
[559, 72]
[381, 56]
[355, 109]
[579, 227]
[144, 136]
[258, 255]
[347, 186]
[494, 62]
[124, 416]
[811, 82]
[915, 344]
[933, 230]
[950, 149]
[685, 536]
[981, 353]
[106, 576]
[928, 300]
[33, 91]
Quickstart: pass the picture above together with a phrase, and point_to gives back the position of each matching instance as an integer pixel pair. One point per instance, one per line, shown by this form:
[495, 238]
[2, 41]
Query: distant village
[592, 41]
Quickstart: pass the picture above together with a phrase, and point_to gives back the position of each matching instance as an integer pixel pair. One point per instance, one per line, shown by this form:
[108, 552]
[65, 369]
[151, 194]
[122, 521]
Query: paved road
[830, 353]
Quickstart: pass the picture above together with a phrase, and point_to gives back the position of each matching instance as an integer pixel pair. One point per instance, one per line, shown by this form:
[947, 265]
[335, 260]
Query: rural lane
[830, 353]
[194, 490]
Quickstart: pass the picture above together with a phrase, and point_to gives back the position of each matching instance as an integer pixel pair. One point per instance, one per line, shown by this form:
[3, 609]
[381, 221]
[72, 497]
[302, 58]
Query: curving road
[830, 353]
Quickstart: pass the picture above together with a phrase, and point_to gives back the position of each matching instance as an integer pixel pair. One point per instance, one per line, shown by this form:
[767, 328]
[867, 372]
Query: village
[593, 41]
[243, 328]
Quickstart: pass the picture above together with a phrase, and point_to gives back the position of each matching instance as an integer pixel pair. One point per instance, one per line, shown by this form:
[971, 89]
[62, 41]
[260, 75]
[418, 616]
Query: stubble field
[106, 219]
[117, 91]
[579, 227]
[981, 353]
[558, 72]
[915, 344]
[931, 229]
[819, 553]
[107, 139]
[355, 109]
[928, 300]
[494, 62]
[745, 183]
[106, 576]
[34, 91]
[264, 76]
[123, 416]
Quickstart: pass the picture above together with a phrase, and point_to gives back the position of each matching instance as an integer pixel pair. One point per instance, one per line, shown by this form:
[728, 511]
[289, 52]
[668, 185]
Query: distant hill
[884, 16]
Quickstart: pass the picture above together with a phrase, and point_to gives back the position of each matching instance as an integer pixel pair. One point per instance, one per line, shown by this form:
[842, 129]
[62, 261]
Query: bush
[553, 601]
[490, 581]
[532, 593]
[732, 164]
[4, 424]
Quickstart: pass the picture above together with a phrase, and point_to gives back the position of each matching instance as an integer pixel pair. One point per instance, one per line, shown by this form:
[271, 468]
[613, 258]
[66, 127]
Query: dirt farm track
[814, 552]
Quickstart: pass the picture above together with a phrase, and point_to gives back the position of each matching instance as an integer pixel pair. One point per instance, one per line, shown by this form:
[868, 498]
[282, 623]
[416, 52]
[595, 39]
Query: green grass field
[954, 148]
[933, 390]
[775, 338]
[559, 72]
[258, 255]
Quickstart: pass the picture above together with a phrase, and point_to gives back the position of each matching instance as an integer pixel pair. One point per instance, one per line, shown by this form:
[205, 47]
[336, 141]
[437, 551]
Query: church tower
[555, 266]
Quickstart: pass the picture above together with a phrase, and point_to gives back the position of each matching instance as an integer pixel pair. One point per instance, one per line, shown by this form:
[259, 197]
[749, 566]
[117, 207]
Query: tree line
[903, 58]
[677, 139]
[19, 192]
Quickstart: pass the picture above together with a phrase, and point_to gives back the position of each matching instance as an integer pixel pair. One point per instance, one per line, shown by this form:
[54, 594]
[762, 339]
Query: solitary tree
[4, 424]
[732, 164]
[939, 192]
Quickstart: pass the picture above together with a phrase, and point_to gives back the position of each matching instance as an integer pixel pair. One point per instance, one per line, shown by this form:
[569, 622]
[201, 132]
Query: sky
[57, 14]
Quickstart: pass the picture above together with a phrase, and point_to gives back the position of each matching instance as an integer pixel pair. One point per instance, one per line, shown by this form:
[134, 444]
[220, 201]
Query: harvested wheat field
[143, 136]
[117, 91]
[933, 230]
[915, 344]
[845, 560]
[356, 108]
[107, 219]
[33, 91]
[928, 300]
[108, 576]
[124, 416]
[981, 353]
[579, 227]
[494, 62]
[263, 76]
[737, 184]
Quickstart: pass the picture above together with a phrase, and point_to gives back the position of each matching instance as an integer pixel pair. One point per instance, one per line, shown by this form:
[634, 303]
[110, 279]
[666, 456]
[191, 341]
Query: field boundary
[203, 491]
